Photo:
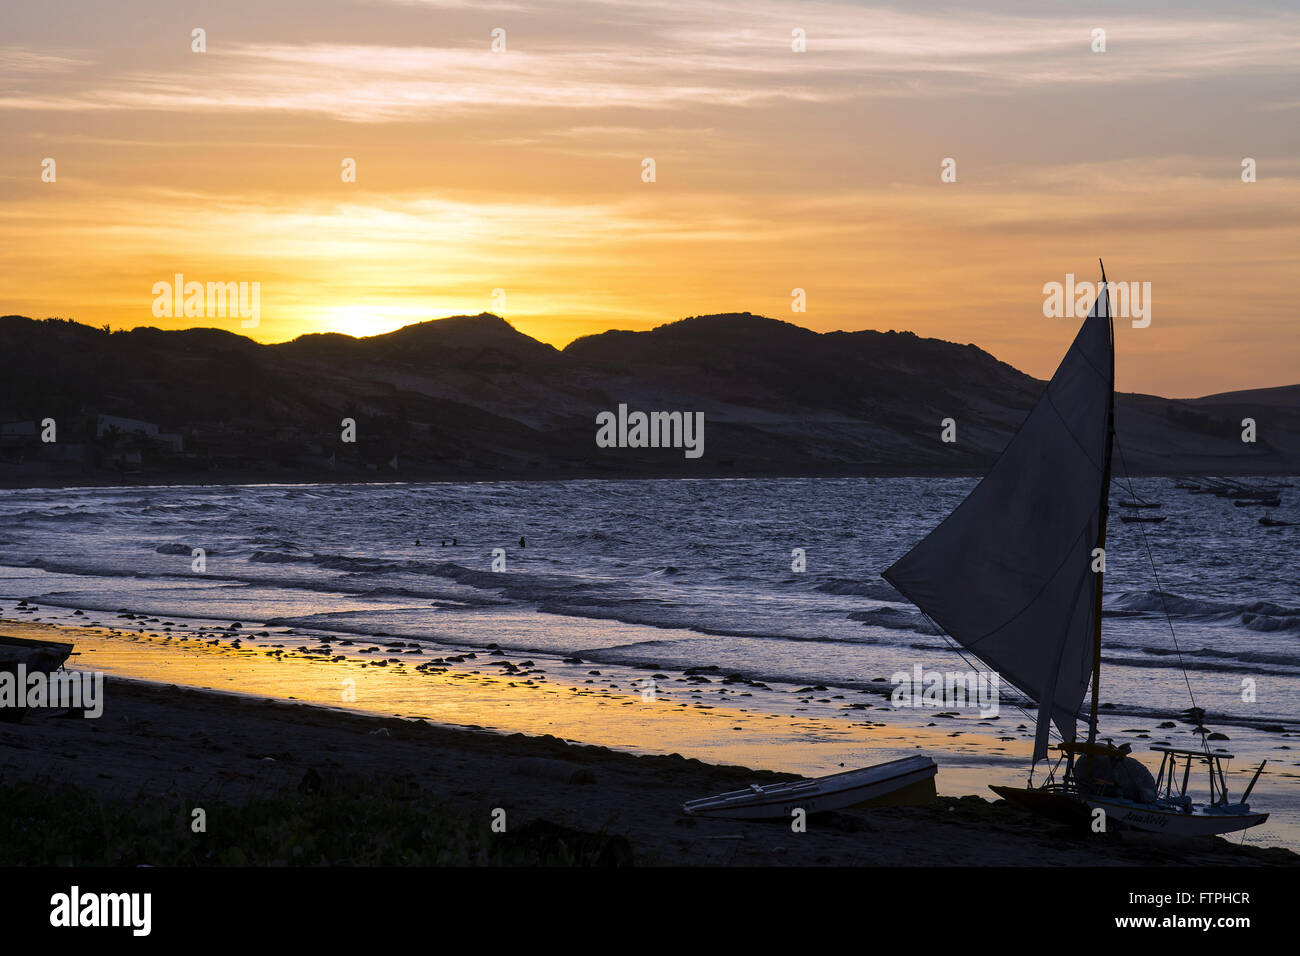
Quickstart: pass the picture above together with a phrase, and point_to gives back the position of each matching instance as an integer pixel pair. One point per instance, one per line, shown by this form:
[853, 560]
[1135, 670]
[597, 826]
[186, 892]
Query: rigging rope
[1051, 729]
[1160, 592]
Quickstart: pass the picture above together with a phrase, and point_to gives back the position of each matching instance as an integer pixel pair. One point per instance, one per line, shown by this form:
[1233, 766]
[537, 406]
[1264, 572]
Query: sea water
[774, 580]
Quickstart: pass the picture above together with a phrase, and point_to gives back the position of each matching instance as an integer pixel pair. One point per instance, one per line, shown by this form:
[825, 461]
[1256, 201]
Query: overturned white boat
[905, 780]
[31, 656]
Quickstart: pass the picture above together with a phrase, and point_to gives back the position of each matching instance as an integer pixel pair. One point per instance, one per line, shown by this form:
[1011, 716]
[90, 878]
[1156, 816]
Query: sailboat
[1014, 575]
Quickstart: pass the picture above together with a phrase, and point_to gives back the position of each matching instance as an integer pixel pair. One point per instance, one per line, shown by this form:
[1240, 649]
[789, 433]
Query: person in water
[521, 541]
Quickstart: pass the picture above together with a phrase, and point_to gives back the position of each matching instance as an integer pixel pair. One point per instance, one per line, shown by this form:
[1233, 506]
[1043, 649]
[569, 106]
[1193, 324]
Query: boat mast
[1105, 509]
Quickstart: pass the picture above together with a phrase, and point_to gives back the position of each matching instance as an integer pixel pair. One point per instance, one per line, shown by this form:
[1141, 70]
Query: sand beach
[171, 730]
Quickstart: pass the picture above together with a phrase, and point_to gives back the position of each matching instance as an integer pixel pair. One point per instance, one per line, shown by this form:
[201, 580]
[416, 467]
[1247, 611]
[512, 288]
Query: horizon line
[561, 349]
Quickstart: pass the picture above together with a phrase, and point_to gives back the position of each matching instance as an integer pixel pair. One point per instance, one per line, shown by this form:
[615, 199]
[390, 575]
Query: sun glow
[360, 321]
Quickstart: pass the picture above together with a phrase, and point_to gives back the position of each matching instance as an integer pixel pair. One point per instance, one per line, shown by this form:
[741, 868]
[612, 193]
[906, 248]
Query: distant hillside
[471, 397]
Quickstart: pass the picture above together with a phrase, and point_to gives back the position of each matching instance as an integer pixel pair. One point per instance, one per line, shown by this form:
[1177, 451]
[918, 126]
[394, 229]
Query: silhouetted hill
[478, 341]
[470, 396]
[772, 351]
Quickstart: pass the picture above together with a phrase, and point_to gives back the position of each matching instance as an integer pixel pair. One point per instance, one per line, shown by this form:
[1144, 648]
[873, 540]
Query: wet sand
[166, 740]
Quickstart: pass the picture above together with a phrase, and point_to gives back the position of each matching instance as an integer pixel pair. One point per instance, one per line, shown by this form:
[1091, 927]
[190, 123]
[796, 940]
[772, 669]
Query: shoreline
[80, 480]
[159, 739]
[210, 749]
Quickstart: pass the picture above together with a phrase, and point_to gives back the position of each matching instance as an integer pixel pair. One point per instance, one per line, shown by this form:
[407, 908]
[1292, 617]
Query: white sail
[1008, 575]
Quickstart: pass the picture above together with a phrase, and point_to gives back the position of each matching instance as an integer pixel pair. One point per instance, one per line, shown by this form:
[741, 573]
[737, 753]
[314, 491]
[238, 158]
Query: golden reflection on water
[473, 694]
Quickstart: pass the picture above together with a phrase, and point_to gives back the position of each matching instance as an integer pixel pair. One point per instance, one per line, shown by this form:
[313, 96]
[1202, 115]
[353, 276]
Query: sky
[514, 180]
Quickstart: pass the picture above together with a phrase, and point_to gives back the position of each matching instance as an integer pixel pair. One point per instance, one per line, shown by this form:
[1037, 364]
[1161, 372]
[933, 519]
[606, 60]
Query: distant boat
[907, 778]
[1011, 575]
[1139, 504]
[1263, 502]
[1268, 522]
[1230, 489]
[1141, 519]
[42, 656]
[1244, 492]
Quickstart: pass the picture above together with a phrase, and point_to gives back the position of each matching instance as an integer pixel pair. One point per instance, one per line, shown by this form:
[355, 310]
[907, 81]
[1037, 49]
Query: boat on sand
[907, 780]
[34, 656]
[1015, 576]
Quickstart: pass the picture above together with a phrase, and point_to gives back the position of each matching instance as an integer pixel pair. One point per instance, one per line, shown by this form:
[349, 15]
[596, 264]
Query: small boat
[1101, 776]
[1234, 489]
[1261, 502]
[1139, 504]
[42, 656]
[1251, 494]
[1168, 809]
[1010, 576]
[905, 780]
[1268, 522]
[1141, 519]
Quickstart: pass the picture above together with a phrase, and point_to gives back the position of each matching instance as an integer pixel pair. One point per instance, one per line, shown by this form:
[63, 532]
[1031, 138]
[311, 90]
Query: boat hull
[1077, 810]
[1055, 805]
[43, 656]
[910, 777]
[1202, 821]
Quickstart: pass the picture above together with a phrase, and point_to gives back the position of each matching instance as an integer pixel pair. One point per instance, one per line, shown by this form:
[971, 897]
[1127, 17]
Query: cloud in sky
[776, 169]
[664, 57]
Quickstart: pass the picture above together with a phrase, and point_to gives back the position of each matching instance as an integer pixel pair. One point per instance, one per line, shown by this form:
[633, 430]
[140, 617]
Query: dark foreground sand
[163, 741]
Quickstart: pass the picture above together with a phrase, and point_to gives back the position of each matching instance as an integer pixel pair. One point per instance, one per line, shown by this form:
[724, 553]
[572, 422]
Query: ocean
[647, 575]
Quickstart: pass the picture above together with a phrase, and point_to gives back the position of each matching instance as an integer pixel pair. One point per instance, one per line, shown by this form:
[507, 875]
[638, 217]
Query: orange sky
[521, 170]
